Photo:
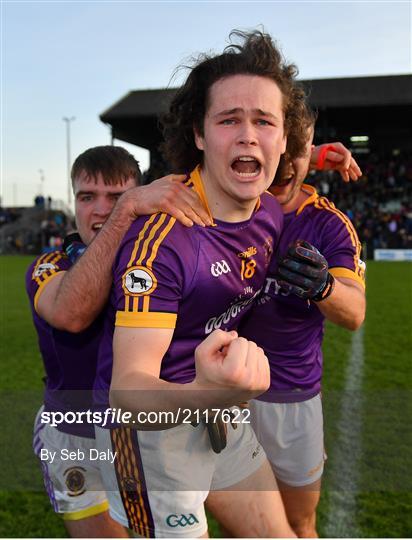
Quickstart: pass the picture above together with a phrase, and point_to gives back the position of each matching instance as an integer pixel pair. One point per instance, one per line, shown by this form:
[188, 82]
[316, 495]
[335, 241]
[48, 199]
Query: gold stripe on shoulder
[48, 259]
[328, 205]
[325, 204]
[313, 197]
[159, 240]
[149, 238]
[139, 239]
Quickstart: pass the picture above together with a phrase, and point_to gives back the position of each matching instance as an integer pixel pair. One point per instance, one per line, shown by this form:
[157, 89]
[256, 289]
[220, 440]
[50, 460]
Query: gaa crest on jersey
[75, 481]
[44, 267]
[138, 281]
[219, 267]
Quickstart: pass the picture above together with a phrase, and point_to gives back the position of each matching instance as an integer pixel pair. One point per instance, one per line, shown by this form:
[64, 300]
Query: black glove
[73, 246]
[304, 272]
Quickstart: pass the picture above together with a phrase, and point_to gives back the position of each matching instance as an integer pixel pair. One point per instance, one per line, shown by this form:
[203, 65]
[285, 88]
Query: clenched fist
[225, 361]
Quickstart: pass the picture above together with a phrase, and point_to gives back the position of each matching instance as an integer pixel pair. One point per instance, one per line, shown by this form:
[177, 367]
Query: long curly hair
[257, 54]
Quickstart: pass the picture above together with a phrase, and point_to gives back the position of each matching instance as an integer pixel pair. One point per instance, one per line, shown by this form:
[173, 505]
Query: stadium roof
[134, 118]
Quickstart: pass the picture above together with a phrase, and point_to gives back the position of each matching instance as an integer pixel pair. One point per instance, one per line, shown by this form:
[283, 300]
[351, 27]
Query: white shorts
[160, 479]
[73, 482]
[292, 437]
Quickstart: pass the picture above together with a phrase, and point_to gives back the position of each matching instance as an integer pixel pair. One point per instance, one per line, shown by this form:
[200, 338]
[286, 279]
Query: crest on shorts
[75, 481]
[130, 486]
[44, 267]
[138, 281]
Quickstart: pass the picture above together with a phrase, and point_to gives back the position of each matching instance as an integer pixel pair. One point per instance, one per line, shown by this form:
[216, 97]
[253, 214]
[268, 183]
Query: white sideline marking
[347, 449]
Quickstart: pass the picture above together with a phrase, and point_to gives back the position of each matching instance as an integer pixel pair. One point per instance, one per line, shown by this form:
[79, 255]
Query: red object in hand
[322, 156]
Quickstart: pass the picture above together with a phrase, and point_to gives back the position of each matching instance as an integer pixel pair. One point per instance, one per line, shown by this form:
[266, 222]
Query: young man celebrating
[66, 300]
[229, 125]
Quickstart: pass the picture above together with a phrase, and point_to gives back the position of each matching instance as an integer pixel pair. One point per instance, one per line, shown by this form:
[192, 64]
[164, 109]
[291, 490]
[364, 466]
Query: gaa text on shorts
[92, 454]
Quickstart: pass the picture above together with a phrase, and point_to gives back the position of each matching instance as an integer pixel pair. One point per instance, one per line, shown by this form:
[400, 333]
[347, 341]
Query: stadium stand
[379, 205]
[35, 229]
[376, 107]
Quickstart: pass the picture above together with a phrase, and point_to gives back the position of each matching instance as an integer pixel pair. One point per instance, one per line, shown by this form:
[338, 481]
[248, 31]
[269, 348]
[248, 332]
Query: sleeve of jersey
[149, 274]
[42, 271]
[342, 249]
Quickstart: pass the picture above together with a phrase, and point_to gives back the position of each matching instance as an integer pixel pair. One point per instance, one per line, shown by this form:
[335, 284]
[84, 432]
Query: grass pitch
[383, 490]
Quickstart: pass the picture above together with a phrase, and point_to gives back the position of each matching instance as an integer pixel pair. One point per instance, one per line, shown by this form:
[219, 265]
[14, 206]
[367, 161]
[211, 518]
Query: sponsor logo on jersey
[273, 288]
[44, 267]
[138, 281]
[362, 265]
[75, 481]
[181, 520]
[231, 313]
[220, 267]
[248, 253]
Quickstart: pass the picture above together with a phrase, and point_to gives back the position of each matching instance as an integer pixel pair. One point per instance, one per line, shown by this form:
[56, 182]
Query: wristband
[322, 156]
[326, 290]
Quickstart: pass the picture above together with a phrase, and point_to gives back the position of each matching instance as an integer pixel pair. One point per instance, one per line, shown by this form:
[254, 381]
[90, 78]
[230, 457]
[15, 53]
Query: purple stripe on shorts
[38, 429]
[48, 484]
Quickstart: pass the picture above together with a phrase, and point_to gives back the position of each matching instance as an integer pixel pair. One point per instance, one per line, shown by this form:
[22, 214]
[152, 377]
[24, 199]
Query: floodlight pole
[41, 172]
[69, 184]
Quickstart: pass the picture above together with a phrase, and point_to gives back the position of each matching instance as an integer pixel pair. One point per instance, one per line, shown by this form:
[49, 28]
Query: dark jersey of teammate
[69, 359]
[193, 280]
[290, 329]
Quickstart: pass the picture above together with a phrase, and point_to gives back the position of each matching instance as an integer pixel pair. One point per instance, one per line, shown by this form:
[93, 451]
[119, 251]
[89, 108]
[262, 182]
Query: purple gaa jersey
[290, 329]
[193, 280]
[69, 359]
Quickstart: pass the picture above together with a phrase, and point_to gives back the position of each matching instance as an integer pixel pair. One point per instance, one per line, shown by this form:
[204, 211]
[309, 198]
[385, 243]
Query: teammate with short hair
[174, 286]
[318, 275]
[66, 299]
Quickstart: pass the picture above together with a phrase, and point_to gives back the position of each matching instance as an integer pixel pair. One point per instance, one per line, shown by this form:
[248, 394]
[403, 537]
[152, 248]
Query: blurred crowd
[33, 230]
[379, 205]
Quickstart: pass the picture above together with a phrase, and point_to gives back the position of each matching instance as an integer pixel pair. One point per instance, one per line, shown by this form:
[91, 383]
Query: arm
[229, 370]
[335, 157]
[72, 300]
[304, 272]
[346, 306]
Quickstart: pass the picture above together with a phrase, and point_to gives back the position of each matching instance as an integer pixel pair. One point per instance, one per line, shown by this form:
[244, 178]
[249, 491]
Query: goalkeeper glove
[73, 246]
[304, 272]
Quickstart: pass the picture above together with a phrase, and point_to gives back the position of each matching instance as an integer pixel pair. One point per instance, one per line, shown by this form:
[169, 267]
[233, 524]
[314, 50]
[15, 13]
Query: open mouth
[97, 226]
[246, 166]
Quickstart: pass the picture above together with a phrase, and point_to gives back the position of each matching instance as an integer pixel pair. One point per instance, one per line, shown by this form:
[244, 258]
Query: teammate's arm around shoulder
[72, 300]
